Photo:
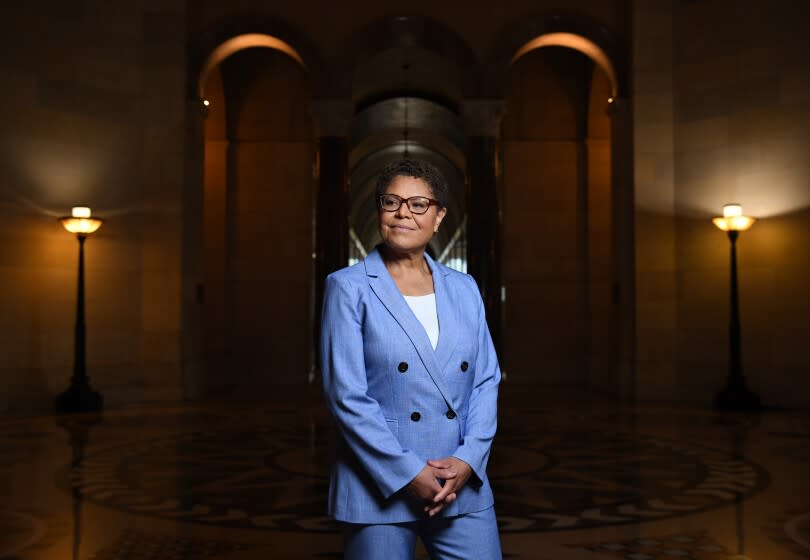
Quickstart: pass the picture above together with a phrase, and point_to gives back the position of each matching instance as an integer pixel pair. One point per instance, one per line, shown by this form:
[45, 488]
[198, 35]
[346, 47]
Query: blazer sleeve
[358, 416]
[482, 413]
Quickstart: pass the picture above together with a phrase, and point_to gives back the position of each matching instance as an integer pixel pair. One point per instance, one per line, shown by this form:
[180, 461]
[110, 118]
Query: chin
[396, 245]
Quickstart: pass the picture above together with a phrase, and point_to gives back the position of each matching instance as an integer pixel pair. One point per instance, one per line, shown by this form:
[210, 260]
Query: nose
[403, 211]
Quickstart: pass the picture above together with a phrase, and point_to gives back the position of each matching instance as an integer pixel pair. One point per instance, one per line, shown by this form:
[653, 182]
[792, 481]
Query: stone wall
[722, 115]
[96, 111]
[93, 112]
[654, 181]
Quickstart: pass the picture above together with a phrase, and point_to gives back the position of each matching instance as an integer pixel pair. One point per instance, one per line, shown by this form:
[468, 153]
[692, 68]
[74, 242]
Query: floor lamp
[735, 395]
[79, 397]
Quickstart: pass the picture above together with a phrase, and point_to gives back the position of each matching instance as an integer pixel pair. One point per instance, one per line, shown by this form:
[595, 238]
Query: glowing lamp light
[206, 102]
[81, 221]
[733, 219]
[735, 395]
[79, 396]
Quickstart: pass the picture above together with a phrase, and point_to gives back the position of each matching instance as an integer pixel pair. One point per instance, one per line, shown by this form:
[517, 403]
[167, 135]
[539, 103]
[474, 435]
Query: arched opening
[577, 43]
[378, 138]
[257, 217]
[558, 231]
[240, 43]
[406, 105]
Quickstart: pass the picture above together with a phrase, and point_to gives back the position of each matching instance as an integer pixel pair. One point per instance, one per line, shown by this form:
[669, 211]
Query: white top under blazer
[424, 307]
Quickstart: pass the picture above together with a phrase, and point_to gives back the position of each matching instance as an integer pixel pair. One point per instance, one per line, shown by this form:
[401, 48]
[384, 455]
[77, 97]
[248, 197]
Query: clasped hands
[425, 485]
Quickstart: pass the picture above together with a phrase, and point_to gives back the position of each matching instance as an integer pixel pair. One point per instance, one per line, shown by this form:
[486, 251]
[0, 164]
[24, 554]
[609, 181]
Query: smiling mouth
[401, 227]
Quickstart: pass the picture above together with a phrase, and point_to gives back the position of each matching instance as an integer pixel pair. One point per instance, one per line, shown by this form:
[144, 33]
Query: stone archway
[239, 161]
[411, 32]
[406, 92]
[614, 288]
[578, 43]
[241, 42]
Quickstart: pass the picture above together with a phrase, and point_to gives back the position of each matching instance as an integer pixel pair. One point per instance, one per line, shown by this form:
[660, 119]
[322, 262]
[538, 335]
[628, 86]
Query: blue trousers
[464, 537]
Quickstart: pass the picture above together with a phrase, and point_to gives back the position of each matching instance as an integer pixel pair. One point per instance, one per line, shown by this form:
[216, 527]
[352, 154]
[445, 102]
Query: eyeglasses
[416, 204]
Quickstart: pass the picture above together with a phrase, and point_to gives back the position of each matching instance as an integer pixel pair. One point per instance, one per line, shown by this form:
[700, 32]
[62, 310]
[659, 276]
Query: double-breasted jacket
[396, 401]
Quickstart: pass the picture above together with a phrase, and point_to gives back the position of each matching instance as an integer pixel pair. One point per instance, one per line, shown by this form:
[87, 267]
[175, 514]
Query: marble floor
[573, 481]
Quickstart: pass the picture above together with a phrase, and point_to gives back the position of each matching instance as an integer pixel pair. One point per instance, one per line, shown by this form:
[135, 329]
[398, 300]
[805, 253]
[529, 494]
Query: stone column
[331, 220]
[192, 235]
[623, 212]
[482, 123]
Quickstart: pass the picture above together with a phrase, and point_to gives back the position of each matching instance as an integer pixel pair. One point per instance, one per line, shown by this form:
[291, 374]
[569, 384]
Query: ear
[439, 217]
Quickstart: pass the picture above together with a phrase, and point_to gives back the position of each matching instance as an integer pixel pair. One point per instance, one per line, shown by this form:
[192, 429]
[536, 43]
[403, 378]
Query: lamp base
[737, 398]
[78, 398]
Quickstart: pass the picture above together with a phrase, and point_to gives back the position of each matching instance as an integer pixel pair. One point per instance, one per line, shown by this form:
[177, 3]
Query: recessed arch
[421, 33]
[263, 69]
[435, 135]
[589, 36]
[239, 43]
[563, 231]
[578, 43]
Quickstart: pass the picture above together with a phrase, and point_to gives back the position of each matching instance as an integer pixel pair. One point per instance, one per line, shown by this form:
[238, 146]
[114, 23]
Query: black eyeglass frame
[407, 201]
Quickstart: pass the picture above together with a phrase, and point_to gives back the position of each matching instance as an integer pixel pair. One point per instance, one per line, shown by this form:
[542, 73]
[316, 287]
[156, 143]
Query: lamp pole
[79, 397]
[735, 395]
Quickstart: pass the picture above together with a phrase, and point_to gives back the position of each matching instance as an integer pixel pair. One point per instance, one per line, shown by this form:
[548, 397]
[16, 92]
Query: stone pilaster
[482, 123]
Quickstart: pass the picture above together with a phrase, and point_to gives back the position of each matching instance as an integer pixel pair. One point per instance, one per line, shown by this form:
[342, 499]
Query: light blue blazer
[396, 401]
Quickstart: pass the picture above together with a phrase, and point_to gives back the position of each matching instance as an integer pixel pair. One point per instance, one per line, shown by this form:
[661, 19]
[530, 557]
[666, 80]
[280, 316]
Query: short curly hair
[418, 169]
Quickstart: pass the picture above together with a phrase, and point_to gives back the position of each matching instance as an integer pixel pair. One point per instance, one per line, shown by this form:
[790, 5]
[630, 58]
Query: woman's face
[403, 230]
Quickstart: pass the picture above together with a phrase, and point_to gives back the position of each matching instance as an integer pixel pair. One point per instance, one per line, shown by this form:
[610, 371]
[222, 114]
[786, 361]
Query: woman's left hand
[451, 485]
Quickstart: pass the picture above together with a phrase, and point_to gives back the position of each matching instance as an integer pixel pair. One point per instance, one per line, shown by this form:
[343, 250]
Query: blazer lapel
[386, 290]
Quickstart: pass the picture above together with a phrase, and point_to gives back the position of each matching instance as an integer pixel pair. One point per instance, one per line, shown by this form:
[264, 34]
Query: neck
[404, 261]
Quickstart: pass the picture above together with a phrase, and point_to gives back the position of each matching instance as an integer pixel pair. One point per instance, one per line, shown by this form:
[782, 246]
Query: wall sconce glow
[733, 219]
[206, 102]
[80, 221]
[610, 100]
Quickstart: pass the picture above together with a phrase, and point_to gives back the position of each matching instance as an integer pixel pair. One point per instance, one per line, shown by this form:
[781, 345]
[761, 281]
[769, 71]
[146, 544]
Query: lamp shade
[80, 221]
[733, 219]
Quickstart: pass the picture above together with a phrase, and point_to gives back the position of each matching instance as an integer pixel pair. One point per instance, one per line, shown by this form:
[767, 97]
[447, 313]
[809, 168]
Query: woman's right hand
[425, 486]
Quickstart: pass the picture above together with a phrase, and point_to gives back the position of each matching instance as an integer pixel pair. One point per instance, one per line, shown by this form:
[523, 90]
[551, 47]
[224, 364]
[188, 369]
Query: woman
[411, 377]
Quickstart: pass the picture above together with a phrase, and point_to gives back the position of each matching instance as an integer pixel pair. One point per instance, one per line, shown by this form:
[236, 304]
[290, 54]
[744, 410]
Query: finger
[436, 509]
[444, 474]
[439, 463]
[446, 490]
[430, 506]
[433, 510]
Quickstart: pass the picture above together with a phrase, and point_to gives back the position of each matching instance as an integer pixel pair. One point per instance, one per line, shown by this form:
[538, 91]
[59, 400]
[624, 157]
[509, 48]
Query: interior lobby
[629, 184]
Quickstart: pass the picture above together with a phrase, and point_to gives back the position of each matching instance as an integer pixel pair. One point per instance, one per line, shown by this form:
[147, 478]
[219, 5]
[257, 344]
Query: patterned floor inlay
[242, 482]
[136, 545]
[696, 546]
[599, 477]
[19, 531]
[24, 530]
[791, 531]
[267, 471]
